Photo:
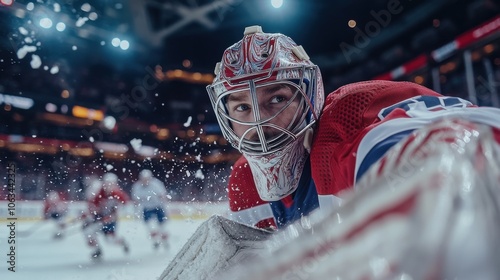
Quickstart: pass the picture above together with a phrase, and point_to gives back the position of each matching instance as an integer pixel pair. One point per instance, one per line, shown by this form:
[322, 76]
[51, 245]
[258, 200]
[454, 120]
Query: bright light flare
[277, 3]
[124, 45]
[51, 107]
[46, 23]
[109, 122]
[93, 16]
[60, 26]
[115, 42]
[86, 7]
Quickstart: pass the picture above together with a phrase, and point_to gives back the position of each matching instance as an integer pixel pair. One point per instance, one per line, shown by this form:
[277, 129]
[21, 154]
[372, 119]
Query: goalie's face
[265, 117]
[275, 108]
[267, 95]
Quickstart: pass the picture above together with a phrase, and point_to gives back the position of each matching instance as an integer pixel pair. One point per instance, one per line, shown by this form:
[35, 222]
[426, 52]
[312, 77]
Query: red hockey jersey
[106, 203]
[359, 123]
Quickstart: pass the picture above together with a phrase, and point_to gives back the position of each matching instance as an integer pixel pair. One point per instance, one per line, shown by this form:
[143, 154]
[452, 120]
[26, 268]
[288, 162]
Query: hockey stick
[32, 229]
[74, 228]
[39, 224]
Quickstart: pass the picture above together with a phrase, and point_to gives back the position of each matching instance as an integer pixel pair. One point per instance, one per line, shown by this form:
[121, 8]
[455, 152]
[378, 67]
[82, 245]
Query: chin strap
[308, 137]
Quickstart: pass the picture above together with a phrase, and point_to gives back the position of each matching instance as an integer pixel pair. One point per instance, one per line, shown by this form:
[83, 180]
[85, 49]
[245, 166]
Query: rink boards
[33, 210]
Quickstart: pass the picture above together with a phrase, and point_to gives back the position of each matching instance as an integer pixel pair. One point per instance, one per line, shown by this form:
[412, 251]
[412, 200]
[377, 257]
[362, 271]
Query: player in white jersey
[150, 195]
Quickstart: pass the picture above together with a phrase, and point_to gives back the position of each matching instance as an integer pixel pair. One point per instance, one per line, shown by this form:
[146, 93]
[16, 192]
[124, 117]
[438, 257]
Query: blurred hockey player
[55, 209]
[150, 195]
[102, 215]
[89, 216]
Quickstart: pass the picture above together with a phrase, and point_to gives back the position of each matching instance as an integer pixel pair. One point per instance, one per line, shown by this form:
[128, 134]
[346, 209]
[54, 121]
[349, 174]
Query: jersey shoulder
[349, 113]
[351, 108]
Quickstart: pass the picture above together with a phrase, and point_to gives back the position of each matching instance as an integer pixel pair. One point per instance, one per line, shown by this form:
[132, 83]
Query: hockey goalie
[380, 180]
[428, 210]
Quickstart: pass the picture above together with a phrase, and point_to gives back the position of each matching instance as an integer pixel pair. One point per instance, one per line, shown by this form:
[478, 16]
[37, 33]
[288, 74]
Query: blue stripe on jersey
[305, 200]
[379, 150]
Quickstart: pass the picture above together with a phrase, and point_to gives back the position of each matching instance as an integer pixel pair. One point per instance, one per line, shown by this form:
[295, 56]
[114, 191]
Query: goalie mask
[266, 95]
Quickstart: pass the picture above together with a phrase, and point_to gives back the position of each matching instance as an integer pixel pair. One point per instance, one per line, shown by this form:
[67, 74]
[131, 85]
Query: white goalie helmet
[266, 95]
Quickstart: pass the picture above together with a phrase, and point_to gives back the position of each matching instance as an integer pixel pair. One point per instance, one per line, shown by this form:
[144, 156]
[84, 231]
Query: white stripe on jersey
[484, 115]
[251, 216]
[329, 201]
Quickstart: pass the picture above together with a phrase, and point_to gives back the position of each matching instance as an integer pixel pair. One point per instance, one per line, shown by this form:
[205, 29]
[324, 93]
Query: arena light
[51, 107]
[63, 120]
[109, 122]
[110, 147]
[32, 148]
[93, 16]
[115, 42]
[163, 134]
[81, 152]
[351, 23]
[46, 23]
[124, 45]
[86, 7]
[60, 26]
[86, 113]
[65, 93]
[17, 101]
[277, 3]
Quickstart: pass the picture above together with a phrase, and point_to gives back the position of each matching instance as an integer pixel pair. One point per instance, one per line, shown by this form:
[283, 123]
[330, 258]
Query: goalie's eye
[242, 107]
[277, 99]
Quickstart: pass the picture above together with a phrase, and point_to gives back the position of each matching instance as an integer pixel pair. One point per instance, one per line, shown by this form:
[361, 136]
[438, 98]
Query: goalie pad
[217, 244]
[428, 210]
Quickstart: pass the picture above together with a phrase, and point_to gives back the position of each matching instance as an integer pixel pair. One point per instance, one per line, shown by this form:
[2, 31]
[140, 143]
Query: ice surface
[41, 257]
